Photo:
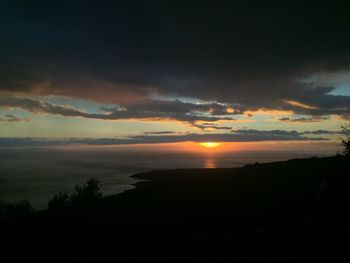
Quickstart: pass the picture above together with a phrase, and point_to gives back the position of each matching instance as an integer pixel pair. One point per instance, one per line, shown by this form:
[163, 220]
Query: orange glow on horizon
[210, 144]
[222, 147]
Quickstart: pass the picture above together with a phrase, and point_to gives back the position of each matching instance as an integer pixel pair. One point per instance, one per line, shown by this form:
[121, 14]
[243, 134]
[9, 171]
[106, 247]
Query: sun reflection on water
[209, 163]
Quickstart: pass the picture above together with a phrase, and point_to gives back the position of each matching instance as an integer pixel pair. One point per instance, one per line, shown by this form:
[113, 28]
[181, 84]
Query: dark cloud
[303, 119]
[323, 132]
[245, 52]
[40, 106]
[160, 133]
[268, 135]
[12, 118]
[237, 136]
[161, 137]
[210, 126]
[148, 109]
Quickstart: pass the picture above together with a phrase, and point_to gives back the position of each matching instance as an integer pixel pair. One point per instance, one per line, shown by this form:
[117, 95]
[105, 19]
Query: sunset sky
[139, 72]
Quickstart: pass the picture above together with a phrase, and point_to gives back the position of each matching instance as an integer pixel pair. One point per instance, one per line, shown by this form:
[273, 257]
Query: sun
[210, 144]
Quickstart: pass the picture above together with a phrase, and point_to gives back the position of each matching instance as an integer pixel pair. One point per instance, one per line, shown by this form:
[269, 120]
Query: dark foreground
[279, 212]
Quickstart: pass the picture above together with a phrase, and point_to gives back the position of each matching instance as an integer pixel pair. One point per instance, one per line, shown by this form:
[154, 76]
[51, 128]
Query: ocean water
[36, 174]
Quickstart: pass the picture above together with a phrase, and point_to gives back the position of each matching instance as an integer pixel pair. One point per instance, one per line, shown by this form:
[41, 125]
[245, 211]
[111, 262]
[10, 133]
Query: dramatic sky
[117, 72]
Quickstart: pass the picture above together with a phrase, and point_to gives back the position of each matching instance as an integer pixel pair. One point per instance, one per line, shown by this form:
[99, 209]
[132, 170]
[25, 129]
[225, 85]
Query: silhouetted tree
[18, 209]
[345, 141]
[59, 202]
[87, 194]
[3, 206]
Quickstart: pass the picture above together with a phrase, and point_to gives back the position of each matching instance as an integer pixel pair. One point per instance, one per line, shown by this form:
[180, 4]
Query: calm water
[37, 174]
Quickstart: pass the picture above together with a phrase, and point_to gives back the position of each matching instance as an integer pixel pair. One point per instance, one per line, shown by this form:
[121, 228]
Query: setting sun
[210, 144]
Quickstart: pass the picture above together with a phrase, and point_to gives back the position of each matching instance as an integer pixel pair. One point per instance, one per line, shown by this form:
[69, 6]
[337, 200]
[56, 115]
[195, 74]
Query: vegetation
[3, 205]
[345, 141]
[59, 202]
[86, 195]
[272, 212]
[16, 209]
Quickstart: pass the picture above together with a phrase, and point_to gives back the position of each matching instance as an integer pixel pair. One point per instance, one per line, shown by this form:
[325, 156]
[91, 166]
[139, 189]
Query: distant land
[274, 212]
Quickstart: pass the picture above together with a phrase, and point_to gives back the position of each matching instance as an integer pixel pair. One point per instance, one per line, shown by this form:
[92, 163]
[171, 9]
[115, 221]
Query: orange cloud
[268, 112]
[300, 104]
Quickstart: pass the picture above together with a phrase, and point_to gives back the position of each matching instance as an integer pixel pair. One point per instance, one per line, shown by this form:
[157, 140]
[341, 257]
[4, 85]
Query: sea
[37, 174]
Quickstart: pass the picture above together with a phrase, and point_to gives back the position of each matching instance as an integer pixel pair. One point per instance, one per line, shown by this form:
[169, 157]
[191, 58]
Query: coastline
[258, 211]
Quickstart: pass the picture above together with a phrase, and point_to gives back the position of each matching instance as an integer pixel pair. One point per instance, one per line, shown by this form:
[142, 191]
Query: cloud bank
[253, 54]
[171, 137]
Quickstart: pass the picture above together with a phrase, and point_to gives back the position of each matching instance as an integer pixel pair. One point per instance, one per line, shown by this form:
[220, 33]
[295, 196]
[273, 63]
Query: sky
[146, 72]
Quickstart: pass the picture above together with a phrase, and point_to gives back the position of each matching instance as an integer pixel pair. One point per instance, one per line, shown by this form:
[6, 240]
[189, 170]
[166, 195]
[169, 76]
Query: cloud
[160, 133]
[12, 118]
[269, 135]
[304, 119]
[345, 117]
[40, 106]
[300, 105]
[165, 137]
[148, 109]
[322, 132]
[210, 126]
[237, 136]
[255, 54]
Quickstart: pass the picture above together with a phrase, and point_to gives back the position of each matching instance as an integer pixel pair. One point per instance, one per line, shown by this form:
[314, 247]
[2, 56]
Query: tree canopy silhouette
[16, 209]
[86, 195]
[345, 141]
[59, 201]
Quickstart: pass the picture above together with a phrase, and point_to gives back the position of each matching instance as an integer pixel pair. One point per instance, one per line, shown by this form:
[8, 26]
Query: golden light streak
[268, 112]
[210, 144]
[300, 104]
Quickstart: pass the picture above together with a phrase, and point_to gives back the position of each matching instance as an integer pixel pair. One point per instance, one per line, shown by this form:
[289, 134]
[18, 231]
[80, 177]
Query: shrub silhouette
[88, 192]
[87, 195]
[345, 141]
[59, 202]
[3, 206]
[18, 209]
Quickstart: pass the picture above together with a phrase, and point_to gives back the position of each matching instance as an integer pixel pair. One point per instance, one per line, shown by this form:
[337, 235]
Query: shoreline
[199, 214]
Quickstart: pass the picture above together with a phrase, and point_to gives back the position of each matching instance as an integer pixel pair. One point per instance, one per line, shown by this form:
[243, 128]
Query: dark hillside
[275, 212]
